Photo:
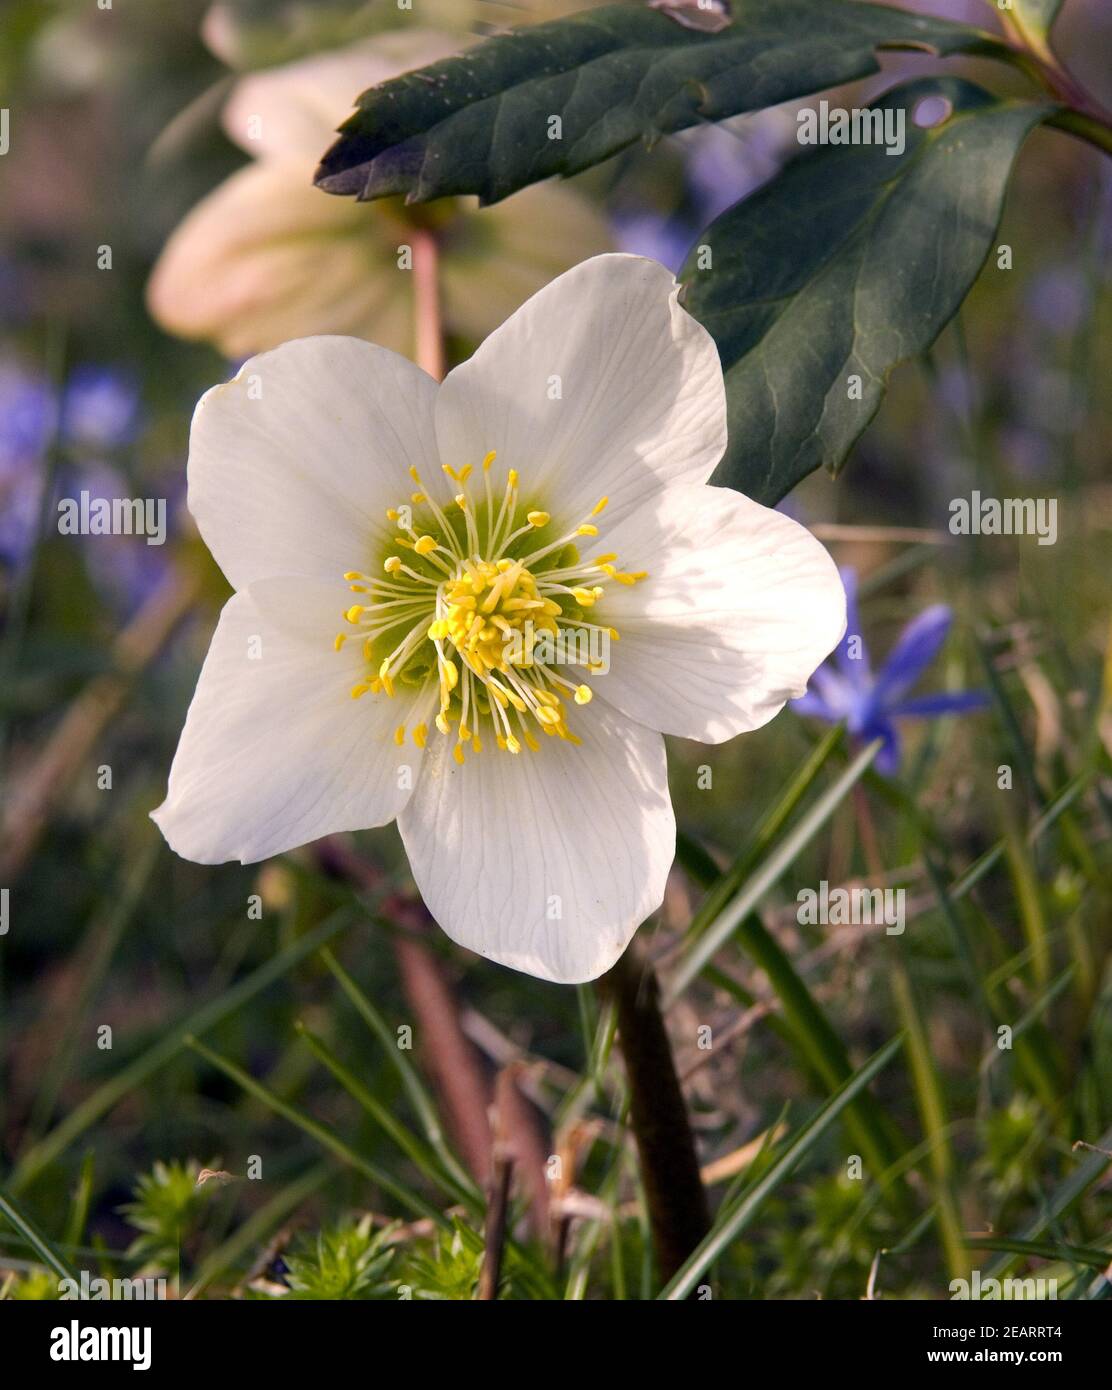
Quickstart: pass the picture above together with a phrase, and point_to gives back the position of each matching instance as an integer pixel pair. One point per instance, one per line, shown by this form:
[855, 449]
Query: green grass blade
[730, 1224]
[168, 1046]
[1063, 1197]
[936, 1130]
[420, 1154]
[324, 1137]
[34, 1238]
[423, 1104]
[772, 823]
[773, 868]
[1043, 1250]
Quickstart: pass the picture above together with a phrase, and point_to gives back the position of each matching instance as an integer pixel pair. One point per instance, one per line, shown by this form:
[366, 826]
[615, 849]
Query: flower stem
[426, 302]
[1032, 54]
[677, 1201]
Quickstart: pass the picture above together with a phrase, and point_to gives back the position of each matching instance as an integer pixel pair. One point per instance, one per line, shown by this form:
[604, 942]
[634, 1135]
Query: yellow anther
[484, 610]
[391, 513]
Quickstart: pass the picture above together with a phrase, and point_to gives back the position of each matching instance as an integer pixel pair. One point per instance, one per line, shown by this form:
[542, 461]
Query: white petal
[293, 110]
[640, 395]
[266, 257]
[499, 846]
[275, 752]
[740, 606]
[297, 480]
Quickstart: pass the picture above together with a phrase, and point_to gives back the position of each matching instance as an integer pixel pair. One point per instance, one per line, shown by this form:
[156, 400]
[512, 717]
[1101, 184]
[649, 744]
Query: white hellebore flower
[266, 256]
[554, 488]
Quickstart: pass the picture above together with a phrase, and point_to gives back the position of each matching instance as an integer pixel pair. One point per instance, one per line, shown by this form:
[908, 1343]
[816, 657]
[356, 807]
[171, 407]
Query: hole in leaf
[932, 111]
[710, 16]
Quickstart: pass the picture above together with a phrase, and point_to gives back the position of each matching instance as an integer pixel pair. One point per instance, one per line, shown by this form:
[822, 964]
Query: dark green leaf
[849, 262]
[482, 122]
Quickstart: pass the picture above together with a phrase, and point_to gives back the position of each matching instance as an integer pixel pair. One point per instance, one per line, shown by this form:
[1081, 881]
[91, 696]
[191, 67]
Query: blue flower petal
[857, 669]
[888, 759]
[915, 649]
[811, 703]
[944, 702]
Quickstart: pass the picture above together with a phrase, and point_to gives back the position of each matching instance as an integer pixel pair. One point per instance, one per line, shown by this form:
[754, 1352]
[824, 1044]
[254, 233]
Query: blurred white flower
[555, 483]
[267, 257]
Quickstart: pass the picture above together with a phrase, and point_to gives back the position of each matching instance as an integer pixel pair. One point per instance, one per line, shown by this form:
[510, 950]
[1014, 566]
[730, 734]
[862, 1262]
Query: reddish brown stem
[426, 302]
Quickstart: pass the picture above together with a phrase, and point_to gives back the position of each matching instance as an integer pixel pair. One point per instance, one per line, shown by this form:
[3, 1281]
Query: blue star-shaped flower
[847, 690]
